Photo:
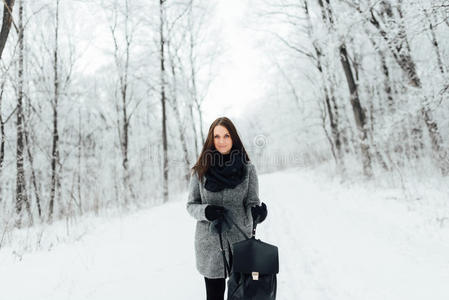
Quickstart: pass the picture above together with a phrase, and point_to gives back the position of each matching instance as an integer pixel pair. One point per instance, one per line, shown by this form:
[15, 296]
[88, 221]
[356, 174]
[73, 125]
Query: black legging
[215, 288]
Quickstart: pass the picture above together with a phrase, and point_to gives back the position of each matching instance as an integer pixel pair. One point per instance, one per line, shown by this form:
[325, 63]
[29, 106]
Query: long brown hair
[204, 160]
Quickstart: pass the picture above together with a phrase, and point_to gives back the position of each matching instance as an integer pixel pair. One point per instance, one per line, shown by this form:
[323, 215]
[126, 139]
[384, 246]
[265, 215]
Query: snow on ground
[336, 241]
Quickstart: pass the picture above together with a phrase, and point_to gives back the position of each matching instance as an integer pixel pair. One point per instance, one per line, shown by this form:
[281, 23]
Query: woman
[223, 179]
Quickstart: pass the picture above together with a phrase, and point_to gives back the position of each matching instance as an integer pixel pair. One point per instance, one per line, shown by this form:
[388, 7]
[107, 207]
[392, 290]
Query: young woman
[223, 178]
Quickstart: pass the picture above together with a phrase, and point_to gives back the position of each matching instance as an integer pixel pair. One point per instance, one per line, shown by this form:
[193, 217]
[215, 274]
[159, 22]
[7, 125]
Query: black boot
[215, 288]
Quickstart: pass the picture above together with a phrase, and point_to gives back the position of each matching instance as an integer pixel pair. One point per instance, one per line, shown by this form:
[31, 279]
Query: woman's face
[222, 139]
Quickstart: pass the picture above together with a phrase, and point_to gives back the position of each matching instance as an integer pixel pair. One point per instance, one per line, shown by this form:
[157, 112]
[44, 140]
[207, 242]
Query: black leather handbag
[253, 267]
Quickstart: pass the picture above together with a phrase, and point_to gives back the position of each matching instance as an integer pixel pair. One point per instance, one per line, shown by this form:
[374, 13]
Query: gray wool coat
[239, 200]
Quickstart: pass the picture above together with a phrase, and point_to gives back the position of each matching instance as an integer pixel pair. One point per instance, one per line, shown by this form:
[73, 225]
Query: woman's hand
[214, 212]
[259, 213]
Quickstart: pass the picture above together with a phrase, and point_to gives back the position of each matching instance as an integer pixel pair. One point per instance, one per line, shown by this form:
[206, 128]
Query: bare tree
[2, 127]
[359, 113]
[55, 101]
[162, 41]
[329, 96]
[173, 101]
[21, 194]
[317, 56]
[34, 178]
[435, 43]
[6, 23]
[401, 51]
[122, 63]
[193, 92]
[196, 19]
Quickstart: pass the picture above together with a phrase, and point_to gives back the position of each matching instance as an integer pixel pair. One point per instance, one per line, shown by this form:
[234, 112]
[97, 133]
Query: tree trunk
[6, 23]
[125, 139]
[123, 115]
[359, 114]
[195, 133]
[181, 127]
[387, 81]
[163, 102]
[200, 115]
[435, 43]
[55, 135]
[2, 130]
[193, 78]
[79, 158]
[33, 172]
[329, 98]
[21, 194]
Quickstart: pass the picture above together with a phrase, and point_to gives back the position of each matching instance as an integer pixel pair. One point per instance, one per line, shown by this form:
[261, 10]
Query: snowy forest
[105, 106]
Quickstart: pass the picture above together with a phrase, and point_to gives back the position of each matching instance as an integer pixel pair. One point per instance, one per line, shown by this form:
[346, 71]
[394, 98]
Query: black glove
[259, 213]
[214, 212]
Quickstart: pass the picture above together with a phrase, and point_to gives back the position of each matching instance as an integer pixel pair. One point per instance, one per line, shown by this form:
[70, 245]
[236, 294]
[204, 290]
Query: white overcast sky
[240, 81]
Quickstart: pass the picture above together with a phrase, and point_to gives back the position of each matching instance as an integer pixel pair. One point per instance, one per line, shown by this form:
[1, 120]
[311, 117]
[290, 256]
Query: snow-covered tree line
[101, 101]
[100, 104]
[367, 81]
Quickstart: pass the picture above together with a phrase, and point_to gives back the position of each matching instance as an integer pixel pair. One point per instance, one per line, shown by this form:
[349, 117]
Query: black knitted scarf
[226, 170]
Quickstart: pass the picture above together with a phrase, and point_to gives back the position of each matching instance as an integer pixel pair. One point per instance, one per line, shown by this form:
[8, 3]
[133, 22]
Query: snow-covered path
[146, 255]
[334, 243]
[338, 243]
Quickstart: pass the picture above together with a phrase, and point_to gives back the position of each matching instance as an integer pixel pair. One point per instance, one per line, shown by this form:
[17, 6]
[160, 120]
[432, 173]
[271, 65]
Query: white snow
[336, 241]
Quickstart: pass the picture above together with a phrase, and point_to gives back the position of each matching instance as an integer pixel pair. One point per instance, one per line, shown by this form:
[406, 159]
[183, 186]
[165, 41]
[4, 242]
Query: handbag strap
[230, 219]
[227, 267]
